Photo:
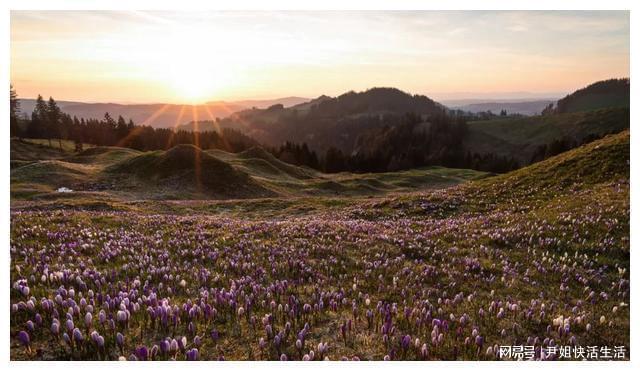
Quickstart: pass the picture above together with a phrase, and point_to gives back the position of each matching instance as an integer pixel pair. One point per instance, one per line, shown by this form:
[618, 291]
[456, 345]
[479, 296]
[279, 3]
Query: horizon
[132, 57]
[497, 97]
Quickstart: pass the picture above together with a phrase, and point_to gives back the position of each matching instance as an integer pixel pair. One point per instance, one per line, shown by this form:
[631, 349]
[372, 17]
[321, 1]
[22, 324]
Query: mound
[293, 171]
[257, 152]
[186, 167]
[103, 155]
[51, 172]
[96, 151]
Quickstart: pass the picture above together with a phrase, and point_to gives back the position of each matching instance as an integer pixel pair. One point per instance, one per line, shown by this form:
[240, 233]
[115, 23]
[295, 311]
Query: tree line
[49, 122]
[407, 143]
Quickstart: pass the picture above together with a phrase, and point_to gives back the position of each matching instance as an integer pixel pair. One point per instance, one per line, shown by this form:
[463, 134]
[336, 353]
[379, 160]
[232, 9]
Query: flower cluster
[369, 282]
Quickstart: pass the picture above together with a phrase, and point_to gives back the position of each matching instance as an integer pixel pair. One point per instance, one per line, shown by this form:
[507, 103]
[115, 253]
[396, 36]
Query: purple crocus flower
[55, 328]
[164, 347]
[192, 355]
[406, 342]
[23, 336]
[77, 335]
[120, 340]
[142, 353]
[100, 341]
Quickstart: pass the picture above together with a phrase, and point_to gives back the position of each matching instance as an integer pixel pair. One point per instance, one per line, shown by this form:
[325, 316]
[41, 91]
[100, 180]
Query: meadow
[430, 264]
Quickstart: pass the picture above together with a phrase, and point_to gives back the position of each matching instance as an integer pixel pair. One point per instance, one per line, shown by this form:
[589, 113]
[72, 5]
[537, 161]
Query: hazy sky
[182, 57]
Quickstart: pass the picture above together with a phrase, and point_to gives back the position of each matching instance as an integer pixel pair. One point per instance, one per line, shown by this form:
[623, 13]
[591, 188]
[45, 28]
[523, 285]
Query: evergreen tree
[39, 118]
[14, 112]
[54, 116]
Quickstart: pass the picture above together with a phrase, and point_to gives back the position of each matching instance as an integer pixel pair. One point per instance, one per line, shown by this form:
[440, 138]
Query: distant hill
[156, 115]
[527, 108]
[161, 115]
[376, 100]
[325, 121]
[602, 94]
[264, 103]
[306, 106]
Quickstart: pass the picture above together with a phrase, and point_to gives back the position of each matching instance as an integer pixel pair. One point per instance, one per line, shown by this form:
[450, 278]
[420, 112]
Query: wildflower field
[537, 257]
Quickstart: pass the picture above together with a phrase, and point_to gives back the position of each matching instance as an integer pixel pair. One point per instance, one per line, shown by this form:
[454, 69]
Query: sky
[194, 57]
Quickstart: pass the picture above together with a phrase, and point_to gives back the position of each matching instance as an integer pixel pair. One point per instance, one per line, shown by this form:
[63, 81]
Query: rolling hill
[187, 172]
[593, 178]
[519, 137]
[324, 121]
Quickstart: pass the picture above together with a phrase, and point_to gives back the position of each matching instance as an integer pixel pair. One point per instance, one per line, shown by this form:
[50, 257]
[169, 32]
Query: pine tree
[54, 116]
[39, 119]
[14, 111]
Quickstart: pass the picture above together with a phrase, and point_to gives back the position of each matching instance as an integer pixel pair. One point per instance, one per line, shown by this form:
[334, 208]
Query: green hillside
[186, 172]
[600, 162]
[579, 178]
[519, 137]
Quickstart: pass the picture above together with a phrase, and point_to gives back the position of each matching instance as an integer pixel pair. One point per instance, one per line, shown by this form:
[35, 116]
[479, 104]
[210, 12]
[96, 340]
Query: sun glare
[195, 72]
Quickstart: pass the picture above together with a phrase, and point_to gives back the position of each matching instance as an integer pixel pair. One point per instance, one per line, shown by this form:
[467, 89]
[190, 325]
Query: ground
[538, 257]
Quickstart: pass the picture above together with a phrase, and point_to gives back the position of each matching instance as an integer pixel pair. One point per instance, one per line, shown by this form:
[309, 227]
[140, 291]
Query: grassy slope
[185, 172]
[596, 171]
[520, 136]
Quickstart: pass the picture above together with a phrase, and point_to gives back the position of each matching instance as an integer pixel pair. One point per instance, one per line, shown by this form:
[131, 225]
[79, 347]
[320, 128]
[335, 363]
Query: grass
[519, 137]
[185, 172]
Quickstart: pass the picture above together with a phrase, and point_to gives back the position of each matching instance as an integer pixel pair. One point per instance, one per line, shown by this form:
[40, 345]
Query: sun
[195, 83]
[195, 73]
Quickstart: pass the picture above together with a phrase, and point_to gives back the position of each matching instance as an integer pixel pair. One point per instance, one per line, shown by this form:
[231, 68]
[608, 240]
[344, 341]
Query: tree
[334, 161]
[54, 116]
[548, 110]
[37, 127]
[14, 111]
[121, 128]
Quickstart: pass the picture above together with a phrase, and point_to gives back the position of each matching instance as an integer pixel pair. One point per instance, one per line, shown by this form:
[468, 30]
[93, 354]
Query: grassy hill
[582, 177]
[600, 162]
[519, 137]
[186, 172]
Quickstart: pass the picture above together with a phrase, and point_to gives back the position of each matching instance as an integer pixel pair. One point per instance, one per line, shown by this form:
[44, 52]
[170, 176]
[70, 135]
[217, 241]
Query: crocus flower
[23, 336]
[192, 355]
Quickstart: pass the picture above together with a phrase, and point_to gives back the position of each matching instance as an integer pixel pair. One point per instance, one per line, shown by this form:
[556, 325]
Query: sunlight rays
[196, 141]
